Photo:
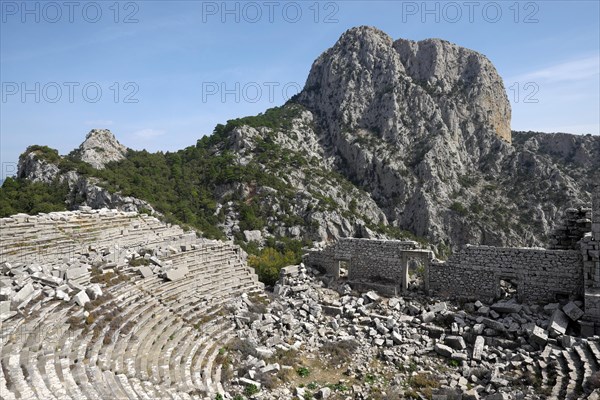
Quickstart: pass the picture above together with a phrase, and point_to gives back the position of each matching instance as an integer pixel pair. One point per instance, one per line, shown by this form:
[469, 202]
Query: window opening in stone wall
[508, 288]
[343, 268]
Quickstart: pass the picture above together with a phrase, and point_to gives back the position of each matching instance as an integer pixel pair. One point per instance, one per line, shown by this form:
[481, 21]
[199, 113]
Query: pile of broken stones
[69, 279]
[405, 347]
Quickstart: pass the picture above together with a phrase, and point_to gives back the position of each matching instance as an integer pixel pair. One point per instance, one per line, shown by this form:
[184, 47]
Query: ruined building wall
[321, 259]
[373, 260]
[576, 222]
[590, 251]
[367, 259]
[540, 275]
[596, 211]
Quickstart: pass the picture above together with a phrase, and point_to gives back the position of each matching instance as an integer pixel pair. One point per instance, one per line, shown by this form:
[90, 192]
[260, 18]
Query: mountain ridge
[364, 150]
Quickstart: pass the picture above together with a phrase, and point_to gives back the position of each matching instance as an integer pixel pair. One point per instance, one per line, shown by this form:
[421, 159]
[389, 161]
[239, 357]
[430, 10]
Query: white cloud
[574, 70]
[149, 133]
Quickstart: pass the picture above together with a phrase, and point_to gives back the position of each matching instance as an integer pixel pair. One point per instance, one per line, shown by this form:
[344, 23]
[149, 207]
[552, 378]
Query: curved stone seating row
[173, 355]
[58, 235]
[150, 339]
[566, 371]
[167, 352]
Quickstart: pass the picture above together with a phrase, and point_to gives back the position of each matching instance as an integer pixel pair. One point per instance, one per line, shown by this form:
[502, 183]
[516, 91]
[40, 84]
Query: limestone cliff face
[99, 148]
[35, 169]
[406, 90]
[408, 120]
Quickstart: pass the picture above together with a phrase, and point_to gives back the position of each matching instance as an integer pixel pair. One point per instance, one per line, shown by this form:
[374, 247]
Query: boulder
[443, 350]
[572, 311]
[558, 323]
[253, 236]
[81, 298]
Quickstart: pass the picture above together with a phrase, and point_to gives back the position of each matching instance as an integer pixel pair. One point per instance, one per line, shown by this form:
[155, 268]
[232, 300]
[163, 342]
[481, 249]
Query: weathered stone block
[558, 323]
[507, 308]
[175, 274]
[456, 342]
[495, 325]
[81, 298]
[573, 311]
[478, 348]
[443, 350]
[539, 336]
[22, 294]
[145, 272]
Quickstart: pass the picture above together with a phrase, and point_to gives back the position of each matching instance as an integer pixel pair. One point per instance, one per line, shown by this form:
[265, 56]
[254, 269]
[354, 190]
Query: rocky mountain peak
[99, 148]
[368, 81]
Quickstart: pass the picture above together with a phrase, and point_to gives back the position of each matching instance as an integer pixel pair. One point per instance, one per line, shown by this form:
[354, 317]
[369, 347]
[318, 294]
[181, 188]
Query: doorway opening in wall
[508, 288]
[416, 274]
[343, 268]
[562, 298]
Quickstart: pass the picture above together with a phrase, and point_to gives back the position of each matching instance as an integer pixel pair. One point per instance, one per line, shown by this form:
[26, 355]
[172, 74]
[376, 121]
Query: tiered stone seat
[66, 234]
[174, 329]
[565, 371]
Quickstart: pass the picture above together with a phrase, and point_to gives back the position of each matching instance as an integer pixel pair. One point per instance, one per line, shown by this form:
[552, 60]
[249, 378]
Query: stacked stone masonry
[569, 269]
[370, 263]
[596, 214]
[590, 249]
[576, 222]
[539, 275]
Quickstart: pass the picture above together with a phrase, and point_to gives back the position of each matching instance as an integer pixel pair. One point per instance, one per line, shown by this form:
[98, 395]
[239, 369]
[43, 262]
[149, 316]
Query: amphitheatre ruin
[107, 304]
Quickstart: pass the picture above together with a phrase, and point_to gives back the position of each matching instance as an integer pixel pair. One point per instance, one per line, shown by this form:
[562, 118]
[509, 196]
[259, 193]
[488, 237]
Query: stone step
[211, 381]
[115, 386]
[126, 386]
[164, 334]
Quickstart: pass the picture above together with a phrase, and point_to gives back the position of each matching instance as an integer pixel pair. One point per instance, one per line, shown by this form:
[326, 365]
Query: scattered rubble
[504, 350]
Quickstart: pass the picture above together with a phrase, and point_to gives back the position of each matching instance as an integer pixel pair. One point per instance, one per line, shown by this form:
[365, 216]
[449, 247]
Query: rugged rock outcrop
[99, 148]
[406, 90]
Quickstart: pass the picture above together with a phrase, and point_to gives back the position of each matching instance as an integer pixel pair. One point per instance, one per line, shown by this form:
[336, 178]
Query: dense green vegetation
[277, 253]
[23, 196]
[187, 186]
[184, 186]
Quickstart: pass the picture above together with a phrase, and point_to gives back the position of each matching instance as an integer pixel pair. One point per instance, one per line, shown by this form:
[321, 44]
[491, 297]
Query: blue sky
[162, 74]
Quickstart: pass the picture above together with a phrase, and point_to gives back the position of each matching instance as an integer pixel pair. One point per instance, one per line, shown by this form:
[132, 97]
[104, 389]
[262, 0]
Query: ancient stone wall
[596, 212]
[590, 251]
[322, 259]
[540, 275]
[378, 262]
[576, 222]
